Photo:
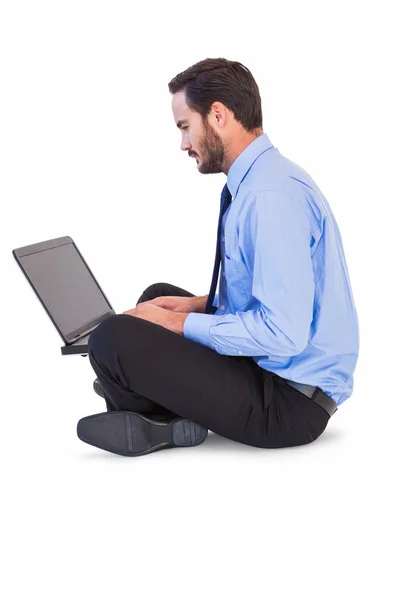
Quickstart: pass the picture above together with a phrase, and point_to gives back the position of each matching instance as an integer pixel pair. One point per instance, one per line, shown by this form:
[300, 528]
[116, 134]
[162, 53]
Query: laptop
[67, 288]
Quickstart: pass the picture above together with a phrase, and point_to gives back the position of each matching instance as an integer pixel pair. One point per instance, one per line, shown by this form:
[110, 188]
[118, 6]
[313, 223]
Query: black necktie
[226, 199]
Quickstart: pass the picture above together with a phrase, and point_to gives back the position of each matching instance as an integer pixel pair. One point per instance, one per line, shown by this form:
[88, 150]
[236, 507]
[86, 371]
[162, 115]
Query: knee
[107, 333]
[154, 288]
[153, 291]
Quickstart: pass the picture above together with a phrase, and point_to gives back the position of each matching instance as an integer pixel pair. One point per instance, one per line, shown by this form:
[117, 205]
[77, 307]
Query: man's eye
[183, 128]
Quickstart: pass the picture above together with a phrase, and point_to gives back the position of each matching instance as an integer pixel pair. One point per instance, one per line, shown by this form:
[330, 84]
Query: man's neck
[237, 146]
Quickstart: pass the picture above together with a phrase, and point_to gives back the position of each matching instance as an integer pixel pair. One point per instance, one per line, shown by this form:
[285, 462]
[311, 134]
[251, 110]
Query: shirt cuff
[197, 328]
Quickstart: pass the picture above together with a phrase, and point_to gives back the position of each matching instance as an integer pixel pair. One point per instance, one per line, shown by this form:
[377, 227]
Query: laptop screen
[64, 284]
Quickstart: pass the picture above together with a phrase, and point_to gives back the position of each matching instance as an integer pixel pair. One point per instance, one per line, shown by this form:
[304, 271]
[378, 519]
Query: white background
[89, 148]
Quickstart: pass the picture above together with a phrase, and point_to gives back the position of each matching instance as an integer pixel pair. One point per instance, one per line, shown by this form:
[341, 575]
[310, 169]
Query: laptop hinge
[78, 337]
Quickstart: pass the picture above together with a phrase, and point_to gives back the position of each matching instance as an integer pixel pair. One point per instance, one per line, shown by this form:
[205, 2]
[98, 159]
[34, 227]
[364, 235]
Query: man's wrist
[177, 321]
[200, 303]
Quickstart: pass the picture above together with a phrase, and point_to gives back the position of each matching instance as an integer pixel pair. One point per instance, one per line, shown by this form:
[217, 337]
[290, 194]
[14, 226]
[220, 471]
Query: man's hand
[183, 304]
[166, 318]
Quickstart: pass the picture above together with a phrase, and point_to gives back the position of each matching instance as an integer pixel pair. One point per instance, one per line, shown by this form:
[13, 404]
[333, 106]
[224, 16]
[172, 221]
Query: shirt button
[222, 307]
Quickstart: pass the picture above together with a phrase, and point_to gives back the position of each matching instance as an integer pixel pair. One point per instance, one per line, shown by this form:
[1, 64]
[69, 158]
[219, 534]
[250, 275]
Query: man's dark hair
[221, 80]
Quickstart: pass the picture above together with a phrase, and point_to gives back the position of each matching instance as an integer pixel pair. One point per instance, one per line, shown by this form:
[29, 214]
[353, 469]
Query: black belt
[316, 395]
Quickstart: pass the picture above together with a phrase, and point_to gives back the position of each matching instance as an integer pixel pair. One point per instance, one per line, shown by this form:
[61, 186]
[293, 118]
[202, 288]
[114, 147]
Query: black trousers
[147, 368]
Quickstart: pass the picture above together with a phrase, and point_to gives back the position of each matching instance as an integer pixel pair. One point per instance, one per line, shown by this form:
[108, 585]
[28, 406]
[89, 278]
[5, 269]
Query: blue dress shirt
[285, 297]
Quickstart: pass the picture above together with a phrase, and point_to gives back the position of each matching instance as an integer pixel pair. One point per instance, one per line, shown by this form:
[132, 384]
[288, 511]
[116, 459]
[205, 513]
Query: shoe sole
[135, 434]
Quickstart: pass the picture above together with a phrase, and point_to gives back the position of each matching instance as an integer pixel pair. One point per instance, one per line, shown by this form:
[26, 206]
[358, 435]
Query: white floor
[218, 520]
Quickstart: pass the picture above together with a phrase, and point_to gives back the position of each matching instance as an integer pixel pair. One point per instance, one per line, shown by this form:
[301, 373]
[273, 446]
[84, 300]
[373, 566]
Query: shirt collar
[242, 164]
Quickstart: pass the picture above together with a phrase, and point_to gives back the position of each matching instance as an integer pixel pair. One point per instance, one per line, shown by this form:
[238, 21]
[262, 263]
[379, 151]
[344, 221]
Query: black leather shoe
[134, 434]
[98, 388]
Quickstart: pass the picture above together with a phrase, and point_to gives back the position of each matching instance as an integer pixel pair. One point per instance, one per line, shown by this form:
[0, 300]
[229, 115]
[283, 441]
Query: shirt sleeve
[275, 238]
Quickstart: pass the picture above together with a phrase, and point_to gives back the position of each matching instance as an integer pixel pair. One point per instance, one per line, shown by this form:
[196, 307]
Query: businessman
[268, 359]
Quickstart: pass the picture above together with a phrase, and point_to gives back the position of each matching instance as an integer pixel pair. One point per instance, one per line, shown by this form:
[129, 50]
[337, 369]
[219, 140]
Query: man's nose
[185, 145]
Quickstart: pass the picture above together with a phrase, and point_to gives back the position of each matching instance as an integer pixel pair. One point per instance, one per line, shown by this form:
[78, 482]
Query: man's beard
[213, 152]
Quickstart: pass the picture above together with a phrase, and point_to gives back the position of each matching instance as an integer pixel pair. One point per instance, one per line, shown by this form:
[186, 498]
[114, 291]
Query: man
[267, 360]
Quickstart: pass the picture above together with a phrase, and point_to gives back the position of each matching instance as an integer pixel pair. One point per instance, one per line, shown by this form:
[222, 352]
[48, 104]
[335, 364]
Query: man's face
[199, 139]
